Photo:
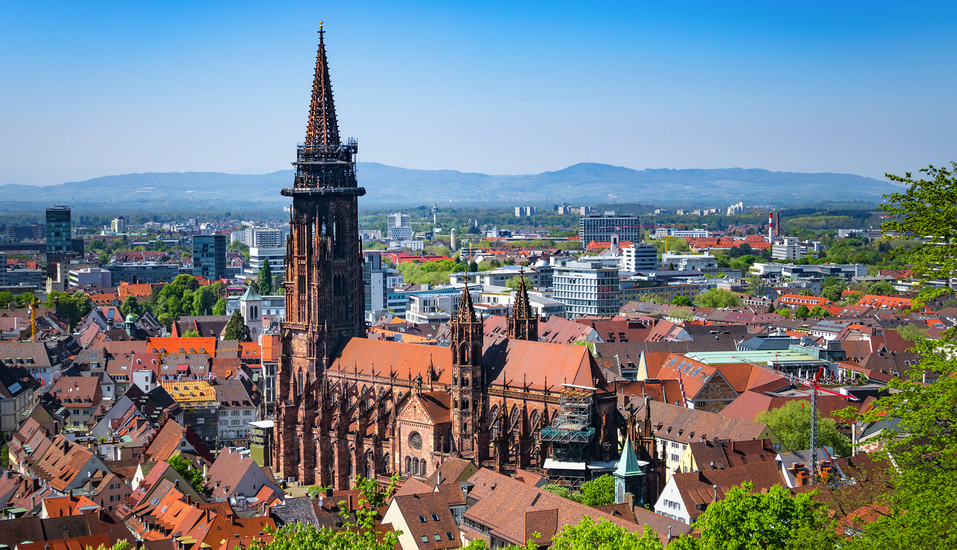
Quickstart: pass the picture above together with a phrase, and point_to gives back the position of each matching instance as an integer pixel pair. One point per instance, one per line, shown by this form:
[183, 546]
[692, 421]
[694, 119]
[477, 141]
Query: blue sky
[94, 89]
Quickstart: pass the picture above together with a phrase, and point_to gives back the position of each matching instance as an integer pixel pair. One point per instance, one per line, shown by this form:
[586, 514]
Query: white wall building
[788, 248]
[639, 257]
[688, 262]
[399, 227]
[586, 288]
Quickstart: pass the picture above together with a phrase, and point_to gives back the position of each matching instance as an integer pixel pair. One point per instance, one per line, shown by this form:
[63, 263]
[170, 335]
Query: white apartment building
[688, 262]
[400, 227]
[639, 257]
[788, 248]
[257, 256]
[586, 288]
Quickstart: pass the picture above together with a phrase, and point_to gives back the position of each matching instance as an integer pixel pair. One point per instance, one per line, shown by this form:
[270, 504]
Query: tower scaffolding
[571, 431]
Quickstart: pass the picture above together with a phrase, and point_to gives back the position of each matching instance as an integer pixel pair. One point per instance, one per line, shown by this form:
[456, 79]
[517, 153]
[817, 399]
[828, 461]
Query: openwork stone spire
[323, 128]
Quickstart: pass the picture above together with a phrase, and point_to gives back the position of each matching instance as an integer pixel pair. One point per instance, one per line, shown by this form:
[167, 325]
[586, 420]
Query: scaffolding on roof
[571, 431]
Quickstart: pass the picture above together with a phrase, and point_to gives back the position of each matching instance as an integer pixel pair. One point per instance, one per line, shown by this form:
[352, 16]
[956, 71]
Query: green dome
[131, 318]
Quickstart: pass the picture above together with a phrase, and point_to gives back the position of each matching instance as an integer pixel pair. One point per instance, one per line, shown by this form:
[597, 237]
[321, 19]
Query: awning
[552, 464]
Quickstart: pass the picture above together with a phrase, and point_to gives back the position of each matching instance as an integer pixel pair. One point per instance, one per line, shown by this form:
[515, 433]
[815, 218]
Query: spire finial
[320, 31]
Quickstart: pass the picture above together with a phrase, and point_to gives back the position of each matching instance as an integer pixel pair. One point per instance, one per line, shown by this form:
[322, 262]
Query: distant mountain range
[389, 185]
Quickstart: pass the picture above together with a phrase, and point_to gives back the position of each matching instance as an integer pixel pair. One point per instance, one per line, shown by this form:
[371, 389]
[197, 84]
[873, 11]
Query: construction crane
[33, 318]
[815, 386]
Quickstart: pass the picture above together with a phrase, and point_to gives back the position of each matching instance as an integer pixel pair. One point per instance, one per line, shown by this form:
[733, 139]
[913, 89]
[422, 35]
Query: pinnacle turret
[323, 128]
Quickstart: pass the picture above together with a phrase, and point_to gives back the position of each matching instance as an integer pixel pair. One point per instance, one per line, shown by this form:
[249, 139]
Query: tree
[185, 468]
[717, 298]
[785, 312]
[236, 328]
[359, 534]
[883, 288]
[911, 333]
[265, 279]
[792, 424]
[599, 492]
[924, 453]
[928, 208]
[131, 305]
[775, 520]
[832, 288]
[473, 267]
[802, 312]
[220, 307]
[681, 301]
[190, 334]
[74, 306]
[806, 292]
[563, 492]
[6, 298]
[602, 535]
[819, 312]
[514, 282]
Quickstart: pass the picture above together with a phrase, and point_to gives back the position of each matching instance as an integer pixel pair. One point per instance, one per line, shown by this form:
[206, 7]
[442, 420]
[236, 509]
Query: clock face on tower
[415, 441]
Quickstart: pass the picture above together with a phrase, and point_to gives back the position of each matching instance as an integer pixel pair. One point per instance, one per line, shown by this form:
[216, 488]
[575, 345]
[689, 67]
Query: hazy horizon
[493, 88]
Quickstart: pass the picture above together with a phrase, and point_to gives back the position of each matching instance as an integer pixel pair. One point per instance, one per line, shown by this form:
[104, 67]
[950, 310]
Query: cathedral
[348, 405]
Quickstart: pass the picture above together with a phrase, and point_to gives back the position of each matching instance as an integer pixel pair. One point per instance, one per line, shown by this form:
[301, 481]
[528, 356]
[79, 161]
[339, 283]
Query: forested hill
[388, 185]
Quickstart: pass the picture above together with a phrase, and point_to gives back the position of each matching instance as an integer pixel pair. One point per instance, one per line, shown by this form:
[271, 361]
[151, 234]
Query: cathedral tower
[323, 287]
[468, 382]
[522, 323]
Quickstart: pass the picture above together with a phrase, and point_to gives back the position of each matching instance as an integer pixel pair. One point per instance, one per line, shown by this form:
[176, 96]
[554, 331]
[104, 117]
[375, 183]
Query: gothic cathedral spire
[522, 323]
[323, 287]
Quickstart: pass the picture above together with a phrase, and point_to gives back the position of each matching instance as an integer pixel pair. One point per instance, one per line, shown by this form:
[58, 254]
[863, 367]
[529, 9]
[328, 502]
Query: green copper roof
[251, 295]
[628, 464]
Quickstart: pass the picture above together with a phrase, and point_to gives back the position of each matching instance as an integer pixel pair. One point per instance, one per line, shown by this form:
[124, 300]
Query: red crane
[815, 386]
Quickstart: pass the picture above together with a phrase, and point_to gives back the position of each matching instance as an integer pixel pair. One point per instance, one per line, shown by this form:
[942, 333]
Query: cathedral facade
[348, 406]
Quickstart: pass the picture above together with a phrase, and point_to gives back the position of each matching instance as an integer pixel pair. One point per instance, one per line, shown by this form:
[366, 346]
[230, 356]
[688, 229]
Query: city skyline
[486, 88]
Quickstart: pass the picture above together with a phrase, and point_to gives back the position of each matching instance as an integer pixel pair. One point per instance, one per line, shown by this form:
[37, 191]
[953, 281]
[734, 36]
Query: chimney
[715, 499]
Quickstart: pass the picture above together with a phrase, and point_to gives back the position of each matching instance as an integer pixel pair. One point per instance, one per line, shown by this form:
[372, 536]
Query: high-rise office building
[400, 227]
[59, 229]
[209, 256]
[600, 228]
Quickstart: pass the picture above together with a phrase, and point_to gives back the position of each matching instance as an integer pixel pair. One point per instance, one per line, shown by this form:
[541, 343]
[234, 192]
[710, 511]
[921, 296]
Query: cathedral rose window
[415, 441]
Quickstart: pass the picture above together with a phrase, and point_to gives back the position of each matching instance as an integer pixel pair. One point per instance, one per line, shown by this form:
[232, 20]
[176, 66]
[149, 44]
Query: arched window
[422, 468]
[408, 465]
[534, 420]
[513, 418]
[370, 464]
[415, 467]
[300, 388]
[386, 467]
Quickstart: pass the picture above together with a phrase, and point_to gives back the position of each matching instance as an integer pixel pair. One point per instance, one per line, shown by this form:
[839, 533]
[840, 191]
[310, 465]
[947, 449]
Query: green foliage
[929, 209]
[832, 287]
[681, 301]
[717, 298]
[190, 334]
[806, 292]
[265, 279]
[74, 306]
[357, 534]
[4, 455]
[220, 307]
[599, 492]
[237, 246]
[802, 312]
[911, 332]
[181, 297]
[6, 298]
[604, 535]
[792, 424]
[315, 491]
[785, 312]
[672, 244]
[776, 520]
[853, 298]
[924, 476]
[185, 468]
[563, 492]
[653, 298]
[819, 312]
[131, 305]
[434, 273]
[514, 282]
[881, 287]
[236, 328]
